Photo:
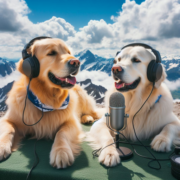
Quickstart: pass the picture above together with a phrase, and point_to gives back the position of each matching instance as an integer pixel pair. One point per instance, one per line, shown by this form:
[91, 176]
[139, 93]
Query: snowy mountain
[3, 96]
[172, 68]
[92, 62]
[6, 67]
[97, 92]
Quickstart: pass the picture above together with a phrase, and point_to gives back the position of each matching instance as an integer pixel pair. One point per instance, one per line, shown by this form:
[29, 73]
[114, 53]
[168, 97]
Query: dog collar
[157, 100]
[43, 107]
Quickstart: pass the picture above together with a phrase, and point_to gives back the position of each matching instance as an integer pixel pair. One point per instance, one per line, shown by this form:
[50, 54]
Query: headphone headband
[24, 51]
[156, 53]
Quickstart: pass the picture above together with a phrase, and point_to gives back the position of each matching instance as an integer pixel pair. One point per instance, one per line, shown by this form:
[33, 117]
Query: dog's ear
[163, 77]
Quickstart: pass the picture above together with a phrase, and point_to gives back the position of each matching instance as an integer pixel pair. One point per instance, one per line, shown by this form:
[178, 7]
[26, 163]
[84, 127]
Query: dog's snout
[116, 68]
[74, 62]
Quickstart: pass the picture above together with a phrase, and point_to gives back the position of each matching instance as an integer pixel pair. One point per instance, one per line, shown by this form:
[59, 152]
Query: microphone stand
[124, 153]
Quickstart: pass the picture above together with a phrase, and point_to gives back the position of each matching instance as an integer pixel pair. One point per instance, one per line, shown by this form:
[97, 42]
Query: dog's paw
[109, 157]
[161, 143]
[87, 119]
[61, 157]
[5, 149]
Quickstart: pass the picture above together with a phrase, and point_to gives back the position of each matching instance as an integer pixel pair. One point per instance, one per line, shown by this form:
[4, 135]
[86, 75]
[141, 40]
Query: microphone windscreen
[116, 100]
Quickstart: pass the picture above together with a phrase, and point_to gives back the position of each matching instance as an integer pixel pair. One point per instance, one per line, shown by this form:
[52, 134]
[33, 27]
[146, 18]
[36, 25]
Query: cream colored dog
[154, 120]
[56, 65]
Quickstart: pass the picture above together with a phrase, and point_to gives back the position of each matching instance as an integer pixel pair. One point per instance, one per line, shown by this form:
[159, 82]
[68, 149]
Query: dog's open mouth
[122, 86]
[67, 82]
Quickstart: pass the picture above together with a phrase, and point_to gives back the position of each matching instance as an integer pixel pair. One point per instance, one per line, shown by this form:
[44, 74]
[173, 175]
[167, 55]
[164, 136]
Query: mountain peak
[85, 52]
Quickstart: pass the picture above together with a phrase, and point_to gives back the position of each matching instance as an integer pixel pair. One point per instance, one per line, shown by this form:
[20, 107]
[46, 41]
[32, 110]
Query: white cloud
[16, 29]
[97, 77]
[154, 22]
[173, 85]
[15, 75]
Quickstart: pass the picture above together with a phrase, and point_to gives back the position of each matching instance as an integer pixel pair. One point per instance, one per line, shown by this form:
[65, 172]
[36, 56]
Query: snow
[83, 61]
[102, 68]
[101, 94]
[170, 57]
[91, 93]
[176, 100]
[2, 99]
[90, 65]
[172, 65]
[9, 78]
[2, 62]
[85, 85]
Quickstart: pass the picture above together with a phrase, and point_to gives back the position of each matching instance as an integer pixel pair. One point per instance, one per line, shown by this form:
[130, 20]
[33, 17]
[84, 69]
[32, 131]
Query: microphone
[117, 111]
[118, 121]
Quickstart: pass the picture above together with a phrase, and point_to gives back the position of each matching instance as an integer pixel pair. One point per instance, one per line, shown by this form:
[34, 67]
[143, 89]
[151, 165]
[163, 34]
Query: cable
[35, 163]
[140, 141]
[36, 155]
[25, 108]
[144, 146]
[95, 152]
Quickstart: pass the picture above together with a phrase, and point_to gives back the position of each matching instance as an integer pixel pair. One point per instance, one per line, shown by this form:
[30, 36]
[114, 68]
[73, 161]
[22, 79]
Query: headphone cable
[35, 153]
[97, 152]
[141, 142]
[25, 108]
[35, 163]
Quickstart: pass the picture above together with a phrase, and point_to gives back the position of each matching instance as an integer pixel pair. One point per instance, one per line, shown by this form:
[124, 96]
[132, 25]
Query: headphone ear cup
[159, 71]
[150, 71]
[31, 67]
[36, 69]
[154, 71]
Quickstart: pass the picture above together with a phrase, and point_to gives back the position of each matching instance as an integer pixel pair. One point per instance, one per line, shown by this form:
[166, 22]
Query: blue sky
[76, 12]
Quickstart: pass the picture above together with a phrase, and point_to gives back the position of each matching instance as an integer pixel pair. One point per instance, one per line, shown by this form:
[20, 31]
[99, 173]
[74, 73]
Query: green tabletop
[20, 162]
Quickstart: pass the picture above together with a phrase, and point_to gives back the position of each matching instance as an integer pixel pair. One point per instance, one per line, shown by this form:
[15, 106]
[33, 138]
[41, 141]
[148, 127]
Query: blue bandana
[45, 108]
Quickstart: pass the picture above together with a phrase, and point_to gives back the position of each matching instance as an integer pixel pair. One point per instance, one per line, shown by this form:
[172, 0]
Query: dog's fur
[62, 125]
[154, 120]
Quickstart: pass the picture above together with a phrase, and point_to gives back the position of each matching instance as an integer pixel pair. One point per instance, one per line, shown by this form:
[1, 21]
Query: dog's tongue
[70, 80]
[119, 85]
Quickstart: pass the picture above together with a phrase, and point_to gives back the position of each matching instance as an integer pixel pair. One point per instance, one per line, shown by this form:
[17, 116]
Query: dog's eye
[52, 53]
[134, 59]
[114, 62]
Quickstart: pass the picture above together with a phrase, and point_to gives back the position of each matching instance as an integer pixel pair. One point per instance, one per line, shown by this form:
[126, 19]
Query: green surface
[20, 162]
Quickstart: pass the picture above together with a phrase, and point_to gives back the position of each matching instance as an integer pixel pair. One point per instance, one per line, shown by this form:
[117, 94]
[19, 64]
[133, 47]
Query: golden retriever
[154, 120]
[63, 125]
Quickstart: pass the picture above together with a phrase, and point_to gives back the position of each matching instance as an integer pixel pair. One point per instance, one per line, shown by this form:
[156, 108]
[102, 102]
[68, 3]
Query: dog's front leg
[101, 136]
[7, 132]
[66, 145]
[163, 141]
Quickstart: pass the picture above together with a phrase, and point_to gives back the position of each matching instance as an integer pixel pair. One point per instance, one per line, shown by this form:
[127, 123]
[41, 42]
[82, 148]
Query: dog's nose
[116, 68]
[74, 62]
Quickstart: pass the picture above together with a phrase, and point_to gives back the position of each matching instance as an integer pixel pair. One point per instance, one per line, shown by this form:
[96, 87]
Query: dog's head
[130, 69]
[58, 67]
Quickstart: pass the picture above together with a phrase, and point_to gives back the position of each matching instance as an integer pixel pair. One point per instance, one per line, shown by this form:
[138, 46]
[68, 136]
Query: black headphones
[154, 70]
[31, 66]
